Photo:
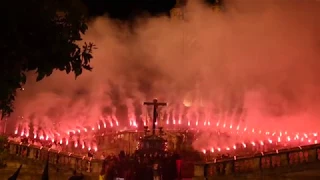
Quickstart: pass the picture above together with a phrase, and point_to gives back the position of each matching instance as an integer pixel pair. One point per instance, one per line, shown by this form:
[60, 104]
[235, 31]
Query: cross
[155, 105]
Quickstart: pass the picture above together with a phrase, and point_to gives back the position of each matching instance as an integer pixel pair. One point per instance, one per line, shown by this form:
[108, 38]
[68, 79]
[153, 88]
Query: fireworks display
[245, 78]
[221, 136]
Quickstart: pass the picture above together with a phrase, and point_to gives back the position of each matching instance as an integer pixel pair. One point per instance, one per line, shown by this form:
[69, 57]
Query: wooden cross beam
[155, 105]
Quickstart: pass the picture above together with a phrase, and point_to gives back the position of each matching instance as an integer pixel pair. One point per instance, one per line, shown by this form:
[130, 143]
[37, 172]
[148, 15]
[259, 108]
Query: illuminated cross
[155, 105]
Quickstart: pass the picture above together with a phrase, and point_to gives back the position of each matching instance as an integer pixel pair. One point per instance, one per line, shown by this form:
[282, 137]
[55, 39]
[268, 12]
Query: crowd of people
[136, 166]
[140, 166]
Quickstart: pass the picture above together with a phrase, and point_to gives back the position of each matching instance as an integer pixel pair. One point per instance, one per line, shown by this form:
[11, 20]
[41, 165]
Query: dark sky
[128, 9]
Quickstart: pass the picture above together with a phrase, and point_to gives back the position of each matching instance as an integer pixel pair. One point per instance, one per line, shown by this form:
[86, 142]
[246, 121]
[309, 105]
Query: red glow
[242, 134]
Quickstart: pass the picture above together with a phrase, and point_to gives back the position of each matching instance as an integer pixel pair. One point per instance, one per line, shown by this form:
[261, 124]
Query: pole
[155, 120]
[5, 126]
[129, 143]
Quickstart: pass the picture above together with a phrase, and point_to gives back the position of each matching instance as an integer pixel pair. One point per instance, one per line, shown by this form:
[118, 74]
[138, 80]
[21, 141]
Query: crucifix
[155, 105]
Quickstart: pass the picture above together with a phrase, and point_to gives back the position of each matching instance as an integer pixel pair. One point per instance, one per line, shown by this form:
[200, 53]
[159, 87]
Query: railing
[271, 162]
[56, 158]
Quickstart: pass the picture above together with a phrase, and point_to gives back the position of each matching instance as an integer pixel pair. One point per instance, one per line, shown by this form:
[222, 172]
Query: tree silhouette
[40, 36]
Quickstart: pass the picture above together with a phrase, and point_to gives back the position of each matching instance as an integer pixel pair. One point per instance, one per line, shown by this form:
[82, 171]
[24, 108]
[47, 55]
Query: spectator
[102, 174]
[103, 156]
[75, 176]
[90, 153]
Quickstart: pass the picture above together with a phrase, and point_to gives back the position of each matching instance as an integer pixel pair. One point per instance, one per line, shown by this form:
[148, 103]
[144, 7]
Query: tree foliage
[40, 36]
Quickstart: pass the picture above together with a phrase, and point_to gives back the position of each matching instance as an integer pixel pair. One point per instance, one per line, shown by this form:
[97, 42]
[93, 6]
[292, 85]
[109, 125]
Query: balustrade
[57, 158]
[264, 161]
[224, 167]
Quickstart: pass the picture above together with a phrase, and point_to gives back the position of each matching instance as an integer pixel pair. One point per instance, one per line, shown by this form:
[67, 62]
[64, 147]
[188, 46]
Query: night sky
[129, 9]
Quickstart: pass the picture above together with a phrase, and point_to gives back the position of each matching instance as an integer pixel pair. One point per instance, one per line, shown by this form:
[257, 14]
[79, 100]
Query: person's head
[103, 170]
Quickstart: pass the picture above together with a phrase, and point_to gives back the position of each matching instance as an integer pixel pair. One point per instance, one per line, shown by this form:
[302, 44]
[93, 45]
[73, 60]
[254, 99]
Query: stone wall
[32, 171]
[266, 164]
[35, 157]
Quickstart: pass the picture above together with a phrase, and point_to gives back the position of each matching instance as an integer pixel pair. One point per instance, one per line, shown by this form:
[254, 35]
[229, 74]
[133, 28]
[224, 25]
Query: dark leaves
[77, 71]
[83, 28]
[39, 38]
[40, 76]
[68, 68]
[23, 78]
[87, 67]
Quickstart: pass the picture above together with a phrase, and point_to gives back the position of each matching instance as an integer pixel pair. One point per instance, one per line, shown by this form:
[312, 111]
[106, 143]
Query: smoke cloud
[255, 65]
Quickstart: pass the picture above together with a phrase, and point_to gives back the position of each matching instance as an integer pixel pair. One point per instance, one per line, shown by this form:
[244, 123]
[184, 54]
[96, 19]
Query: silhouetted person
[122, 155]
[110, 172]
[148, 174]
[156, 170]
[75, 176]
[90, 153]
[102, 172]
[139, 169]
[103, 156]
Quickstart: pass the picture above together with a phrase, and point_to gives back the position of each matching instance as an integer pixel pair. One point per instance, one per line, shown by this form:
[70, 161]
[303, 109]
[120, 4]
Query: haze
[256, 64]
